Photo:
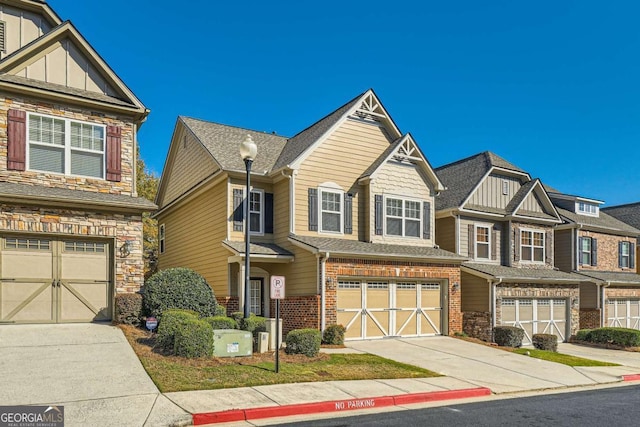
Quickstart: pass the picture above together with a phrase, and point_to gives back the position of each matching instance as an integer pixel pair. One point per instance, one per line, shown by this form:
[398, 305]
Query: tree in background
[147, 184]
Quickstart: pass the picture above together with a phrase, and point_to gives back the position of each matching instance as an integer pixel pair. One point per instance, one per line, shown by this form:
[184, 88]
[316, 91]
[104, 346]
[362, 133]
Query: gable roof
[628, 213]
[463, 176]
[531, 188]
[604, 222]
[516, 274]
[614, 277]
[38, 6]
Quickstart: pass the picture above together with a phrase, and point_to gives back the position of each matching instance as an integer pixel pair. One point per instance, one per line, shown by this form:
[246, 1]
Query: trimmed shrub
[545, 342]
[253, 324]
[178, 288]
[171, 322]
[617, 336]
[194, 338]
[333, 335]
[221, 322]
[303, 341]
[508, 336]
[583, 334]
[129, 309]
[220, 310]
[237, 316]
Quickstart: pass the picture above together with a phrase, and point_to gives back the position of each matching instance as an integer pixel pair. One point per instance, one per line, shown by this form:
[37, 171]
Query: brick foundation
[231, 304]
[589, 318]
[477, 324]
[298, 312]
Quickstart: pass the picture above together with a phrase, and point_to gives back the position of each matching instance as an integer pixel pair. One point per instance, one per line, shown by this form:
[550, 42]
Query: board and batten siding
[402, 180]
[342, 158]
[446, 234]
[475, 293]
[497, 235]
[563, 250]
[588, 295]
[22, 27]
[531, 203]
[193, 235]
[490, 192]
[190, 164]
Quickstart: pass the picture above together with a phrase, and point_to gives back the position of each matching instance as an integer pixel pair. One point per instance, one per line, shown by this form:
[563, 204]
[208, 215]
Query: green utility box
[232, 343]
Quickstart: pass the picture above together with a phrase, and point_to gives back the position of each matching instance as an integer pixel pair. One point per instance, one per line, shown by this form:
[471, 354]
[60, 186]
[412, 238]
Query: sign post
[277, 293]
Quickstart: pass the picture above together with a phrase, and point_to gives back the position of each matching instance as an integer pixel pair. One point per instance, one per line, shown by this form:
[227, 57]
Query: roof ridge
[466, 159]
[231, 126]
[625, 205]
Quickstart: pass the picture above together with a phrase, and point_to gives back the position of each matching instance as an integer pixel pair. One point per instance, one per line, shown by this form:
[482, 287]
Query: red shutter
[114, 157]
[16, 140]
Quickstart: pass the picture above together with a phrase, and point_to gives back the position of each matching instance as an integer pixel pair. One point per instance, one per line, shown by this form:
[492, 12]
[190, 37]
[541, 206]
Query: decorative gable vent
[370, 110]
[3, 46]
[407, 151]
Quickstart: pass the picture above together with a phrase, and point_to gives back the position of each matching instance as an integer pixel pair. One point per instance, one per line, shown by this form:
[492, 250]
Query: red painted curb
[632, 377]
[335, 406]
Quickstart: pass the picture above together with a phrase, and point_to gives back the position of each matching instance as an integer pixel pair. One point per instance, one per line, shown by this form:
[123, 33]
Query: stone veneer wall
[340, 268]
[129, 271]
[477, 324]
[124, 187]
[589, 318]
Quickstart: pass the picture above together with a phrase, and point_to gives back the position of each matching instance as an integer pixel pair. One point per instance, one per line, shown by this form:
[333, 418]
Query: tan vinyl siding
[193, 235]
[588, 295]
[189, 164]
[446, 234]
[402, 180]
[475, 293]
[241, 184]
[301, 275]
[361, 143]
[490, 194]
[563, 250]
[281, 210]
[22, 27]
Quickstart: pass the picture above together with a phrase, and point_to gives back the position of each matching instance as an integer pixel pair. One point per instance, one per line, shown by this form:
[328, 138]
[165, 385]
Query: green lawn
[565, 359]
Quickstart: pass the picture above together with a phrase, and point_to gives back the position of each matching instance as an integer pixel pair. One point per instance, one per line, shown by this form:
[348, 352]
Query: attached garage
[536, 316]
[50, 280]
[383, 308]
[624, 313]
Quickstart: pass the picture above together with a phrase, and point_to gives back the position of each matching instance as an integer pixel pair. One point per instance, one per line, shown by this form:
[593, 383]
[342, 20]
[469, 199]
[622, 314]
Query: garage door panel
[23, 264]
[406, 323]
[84, 302]
[377, 324]
[26, 301]
[430, 322]
[623, 313]
[535, 316]
[430, 297]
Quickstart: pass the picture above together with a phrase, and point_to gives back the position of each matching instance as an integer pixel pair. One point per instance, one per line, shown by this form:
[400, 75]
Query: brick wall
[589, 318]
[477, 324]
[341, 268]
[298, 312]
[607, 251]
[231, 304]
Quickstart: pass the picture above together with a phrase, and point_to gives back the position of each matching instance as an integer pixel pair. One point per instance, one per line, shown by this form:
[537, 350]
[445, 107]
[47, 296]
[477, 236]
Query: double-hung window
[65, 146]
[624, 250]
[403, 217]
[585, 251]
[483, 248]
[256, 204]
[330, 211]
[532, 246]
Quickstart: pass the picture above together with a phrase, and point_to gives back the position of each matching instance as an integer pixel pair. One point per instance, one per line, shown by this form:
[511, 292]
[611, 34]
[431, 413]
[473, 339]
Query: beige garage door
[49, 281]
[624, 313]
[536, 316]
[378, 309]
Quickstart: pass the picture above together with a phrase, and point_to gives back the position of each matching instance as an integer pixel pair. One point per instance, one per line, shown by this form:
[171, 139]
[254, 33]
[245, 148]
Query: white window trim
[627, 256]
[588, 211]
[505, 187]
[544, 244]
[403, 218]
[475, 239]
[261, 212]
[67, 146]
[162, 240]
[340, 193]
[582, 251]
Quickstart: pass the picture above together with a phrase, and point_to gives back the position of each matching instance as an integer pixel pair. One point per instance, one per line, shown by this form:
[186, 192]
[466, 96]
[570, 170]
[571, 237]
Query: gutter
[603, 317]
[492, 295]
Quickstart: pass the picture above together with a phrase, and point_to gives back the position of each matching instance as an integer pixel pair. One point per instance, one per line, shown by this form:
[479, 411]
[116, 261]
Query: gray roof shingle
[629, 213]
[617, 277]
[354, 247]
[523, 274]
[258, 248]
[14, 192]
[603, 221]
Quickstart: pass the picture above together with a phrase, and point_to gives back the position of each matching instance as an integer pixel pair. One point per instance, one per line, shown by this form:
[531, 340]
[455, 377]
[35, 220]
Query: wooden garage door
[536, 316]
[48, 281]
[624, 313]
[377, 309]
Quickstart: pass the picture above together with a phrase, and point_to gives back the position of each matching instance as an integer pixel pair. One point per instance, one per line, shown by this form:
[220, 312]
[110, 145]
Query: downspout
[603, 318]
[456, 218]
[292, 200]
[323, 279]
[511, 250]
[493, 284]
[576, 247]
[135, 161]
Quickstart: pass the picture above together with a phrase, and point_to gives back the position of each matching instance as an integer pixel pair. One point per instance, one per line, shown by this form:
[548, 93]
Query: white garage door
[536, 316]
[45, 280]
[624, 313]
[378, 309]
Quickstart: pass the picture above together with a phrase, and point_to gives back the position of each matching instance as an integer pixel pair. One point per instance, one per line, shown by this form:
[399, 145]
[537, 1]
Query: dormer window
[586, 208]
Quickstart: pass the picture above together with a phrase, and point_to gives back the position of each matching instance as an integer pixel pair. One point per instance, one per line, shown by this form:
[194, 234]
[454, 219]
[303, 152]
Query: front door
[256, 302]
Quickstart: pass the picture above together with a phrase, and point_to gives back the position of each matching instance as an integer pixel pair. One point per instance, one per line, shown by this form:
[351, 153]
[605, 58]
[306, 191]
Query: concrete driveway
[627, 358]
[481, 365]
[90, 369]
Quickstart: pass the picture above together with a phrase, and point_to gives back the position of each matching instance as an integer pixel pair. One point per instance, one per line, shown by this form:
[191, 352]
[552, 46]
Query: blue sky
[551, 86]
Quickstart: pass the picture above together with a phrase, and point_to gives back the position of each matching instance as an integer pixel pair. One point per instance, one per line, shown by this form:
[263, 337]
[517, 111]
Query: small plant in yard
[221, 322]
[303, 341]
[129, 309]
[171, 322]
[333, 335]
[622, 337]
[545, 342]
[194, 338]
[583, 334]
[508, 336]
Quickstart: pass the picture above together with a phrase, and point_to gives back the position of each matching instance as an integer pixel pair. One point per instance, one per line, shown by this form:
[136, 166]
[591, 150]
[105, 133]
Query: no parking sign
[277, 287]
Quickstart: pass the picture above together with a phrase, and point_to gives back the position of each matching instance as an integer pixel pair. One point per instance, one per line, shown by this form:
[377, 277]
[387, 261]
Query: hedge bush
[171, 322]
[178, 288]
[220, 310]
[303, 341]
[618, 336]
[254, 324]
[583, 334]
[194, 338]
[508, 336]
[333, 335]
[129, 309]
[545, 342]
[221, 322]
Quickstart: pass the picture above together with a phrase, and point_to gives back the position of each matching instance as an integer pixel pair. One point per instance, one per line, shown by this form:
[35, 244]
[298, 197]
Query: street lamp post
[248, 151]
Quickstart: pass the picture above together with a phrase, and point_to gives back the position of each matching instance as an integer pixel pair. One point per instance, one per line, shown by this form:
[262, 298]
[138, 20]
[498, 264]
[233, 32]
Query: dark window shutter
[632, 255]
[348, 213]
[238, 209]
[580, 246]
[114, 157]
[619, 254]
[516, 253]
[378, 214]
[472, 241]
[548, 247]
[594, 252]
[494, 244]
[16, 140]
[268, 213]
[313, 209]
[426, 220]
